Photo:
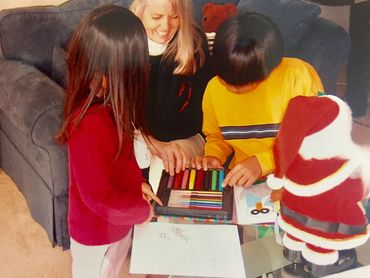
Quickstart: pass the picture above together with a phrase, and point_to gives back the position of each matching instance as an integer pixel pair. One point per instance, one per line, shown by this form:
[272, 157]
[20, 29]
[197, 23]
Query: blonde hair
[186, 47]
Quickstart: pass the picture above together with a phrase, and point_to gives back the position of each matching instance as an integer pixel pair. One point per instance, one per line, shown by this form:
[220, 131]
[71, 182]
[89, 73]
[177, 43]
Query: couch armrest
[26, 93]
[34, 104]
[43, 136]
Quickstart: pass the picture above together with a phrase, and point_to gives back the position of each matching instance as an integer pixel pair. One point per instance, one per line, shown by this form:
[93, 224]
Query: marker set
[195, 193]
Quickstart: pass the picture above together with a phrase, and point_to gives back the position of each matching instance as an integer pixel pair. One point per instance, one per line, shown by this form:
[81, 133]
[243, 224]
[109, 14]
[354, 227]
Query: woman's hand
[149, 195]
[244, 173]
[173, 157]
[205, 162]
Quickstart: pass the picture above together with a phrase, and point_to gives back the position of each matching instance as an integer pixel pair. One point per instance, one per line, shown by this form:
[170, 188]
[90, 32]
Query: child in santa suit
[322, 172]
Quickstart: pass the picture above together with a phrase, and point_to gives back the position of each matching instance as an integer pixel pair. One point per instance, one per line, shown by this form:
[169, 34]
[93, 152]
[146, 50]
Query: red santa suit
[321, 170]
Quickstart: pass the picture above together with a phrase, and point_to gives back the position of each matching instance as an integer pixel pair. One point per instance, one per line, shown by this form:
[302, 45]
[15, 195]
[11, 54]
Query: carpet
[25, 250]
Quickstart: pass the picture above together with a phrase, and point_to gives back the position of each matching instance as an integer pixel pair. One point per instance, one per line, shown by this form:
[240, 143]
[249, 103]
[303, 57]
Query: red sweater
[105, 197]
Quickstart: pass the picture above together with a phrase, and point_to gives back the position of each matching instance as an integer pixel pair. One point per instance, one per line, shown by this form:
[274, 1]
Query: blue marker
[221, 176]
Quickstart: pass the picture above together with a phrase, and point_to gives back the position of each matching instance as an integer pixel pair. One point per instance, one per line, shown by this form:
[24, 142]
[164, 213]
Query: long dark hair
[247, 48]
[110, 43]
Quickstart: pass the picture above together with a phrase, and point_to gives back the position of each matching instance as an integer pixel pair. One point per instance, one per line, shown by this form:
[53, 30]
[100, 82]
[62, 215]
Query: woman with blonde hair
[179, 73]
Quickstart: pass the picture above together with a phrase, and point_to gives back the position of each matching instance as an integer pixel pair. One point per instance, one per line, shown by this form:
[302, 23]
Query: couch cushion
[293, 17]
[59, 66]
[71, 12]
[198, 5]
[30, 34]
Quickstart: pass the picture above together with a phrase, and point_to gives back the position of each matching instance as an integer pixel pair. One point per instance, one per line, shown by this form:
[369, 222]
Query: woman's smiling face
[160, 20]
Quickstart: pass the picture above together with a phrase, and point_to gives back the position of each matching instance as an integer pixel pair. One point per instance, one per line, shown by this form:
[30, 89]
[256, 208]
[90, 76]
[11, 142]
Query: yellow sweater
[247, 123]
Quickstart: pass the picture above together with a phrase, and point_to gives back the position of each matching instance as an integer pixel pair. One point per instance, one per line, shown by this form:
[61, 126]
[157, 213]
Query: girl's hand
[149, 195]
[205, 162]
[244, 173]
[173, 157]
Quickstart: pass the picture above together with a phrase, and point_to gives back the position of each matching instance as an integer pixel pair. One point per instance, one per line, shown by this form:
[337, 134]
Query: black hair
[247, 48]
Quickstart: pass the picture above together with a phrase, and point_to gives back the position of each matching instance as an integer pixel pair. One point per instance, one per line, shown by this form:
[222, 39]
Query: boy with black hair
[244, 104]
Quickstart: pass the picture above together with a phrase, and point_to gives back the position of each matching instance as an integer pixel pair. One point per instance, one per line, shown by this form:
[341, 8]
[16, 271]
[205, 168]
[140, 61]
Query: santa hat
[313, 127]
[304, 116]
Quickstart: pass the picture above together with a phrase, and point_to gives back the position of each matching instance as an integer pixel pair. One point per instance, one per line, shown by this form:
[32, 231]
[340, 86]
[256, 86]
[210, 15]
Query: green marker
[214, 180]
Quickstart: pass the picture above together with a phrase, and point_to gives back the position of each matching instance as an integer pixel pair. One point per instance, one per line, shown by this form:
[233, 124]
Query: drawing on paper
[253, 204]
[175, 232]
[160, 248]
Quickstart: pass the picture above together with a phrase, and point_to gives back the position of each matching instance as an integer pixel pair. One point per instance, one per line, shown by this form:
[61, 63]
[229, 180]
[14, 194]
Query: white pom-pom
[274, 182]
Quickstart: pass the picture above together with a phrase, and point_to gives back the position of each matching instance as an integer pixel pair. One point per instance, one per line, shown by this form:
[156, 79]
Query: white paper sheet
[186, 249]
[362, 271]
[248, 203]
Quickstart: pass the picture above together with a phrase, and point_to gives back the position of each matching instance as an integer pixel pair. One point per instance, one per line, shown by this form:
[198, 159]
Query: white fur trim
[320, 258]
[324, 242]
[325, 184]
[274, 182]
[293, 244]
[334, 140]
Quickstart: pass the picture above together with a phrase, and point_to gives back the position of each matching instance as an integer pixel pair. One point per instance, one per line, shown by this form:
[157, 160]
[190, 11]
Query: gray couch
[32, 78]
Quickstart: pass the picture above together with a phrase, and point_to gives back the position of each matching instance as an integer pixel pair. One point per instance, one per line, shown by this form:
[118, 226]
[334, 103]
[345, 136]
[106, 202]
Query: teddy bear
[212, 17]
[324, 177]
[215, 14]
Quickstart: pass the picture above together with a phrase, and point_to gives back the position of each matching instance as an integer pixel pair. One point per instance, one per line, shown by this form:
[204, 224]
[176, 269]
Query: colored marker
[170, 181]
[185, 178]
[221, 176]
[178, 180]
[199, 179]
[206, 180]
[192, 179]
[214, 180]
